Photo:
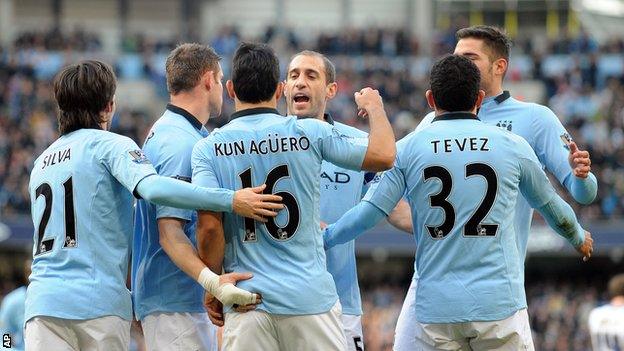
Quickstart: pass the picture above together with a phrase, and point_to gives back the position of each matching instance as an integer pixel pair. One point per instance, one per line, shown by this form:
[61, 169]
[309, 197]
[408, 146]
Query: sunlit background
[567, 55]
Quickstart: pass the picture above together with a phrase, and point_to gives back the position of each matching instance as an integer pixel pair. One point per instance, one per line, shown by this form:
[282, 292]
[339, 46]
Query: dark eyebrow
[470, 54]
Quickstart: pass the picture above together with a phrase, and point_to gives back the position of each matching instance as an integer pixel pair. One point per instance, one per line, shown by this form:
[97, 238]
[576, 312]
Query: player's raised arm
[562, 157]
[381, 143]
[540, 194]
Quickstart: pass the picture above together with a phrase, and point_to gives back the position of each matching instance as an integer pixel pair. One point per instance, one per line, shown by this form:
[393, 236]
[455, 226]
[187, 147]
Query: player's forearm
[561, 218]
[583, 190]
[352, 224]
[401, 217]
[211, 242]
[180, 249]
[175, 193]
[381, 149]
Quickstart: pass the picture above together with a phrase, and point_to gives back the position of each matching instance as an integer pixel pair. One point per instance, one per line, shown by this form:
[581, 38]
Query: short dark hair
[255, 72]
[330, 69]
[454, 81]
[495, 39]
[616, 285]
[82, 91]
[187, 63]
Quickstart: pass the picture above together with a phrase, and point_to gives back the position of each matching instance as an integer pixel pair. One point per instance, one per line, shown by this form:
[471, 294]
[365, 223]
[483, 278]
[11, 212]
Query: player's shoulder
[170, 139]
[15, 297]
[350, 130]
[425, 121]
[311, 127]
[539, 114]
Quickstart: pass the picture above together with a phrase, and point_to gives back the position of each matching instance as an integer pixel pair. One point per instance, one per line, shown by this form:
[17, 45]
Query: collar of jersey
[184, 113]
[253, 111]
[328, 118]
[500, 98]
[455, 115]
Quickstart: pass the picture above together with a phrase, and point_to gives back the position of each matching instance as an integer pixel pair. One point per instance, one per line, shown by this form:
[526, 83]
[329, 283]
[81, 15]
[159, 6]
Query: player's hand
[229, 294]
[252, 203]
[323, 225]
[579, 161]
[587, 247]
[367, 99]
[214, 308]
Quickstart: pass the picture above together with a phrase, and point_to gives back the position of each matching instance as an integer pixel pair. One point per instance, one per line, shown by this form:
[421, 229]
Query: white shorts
[179, 331]
[512, 333]
[104, 333]
[259, 330]
[405, 332]
[353, 332]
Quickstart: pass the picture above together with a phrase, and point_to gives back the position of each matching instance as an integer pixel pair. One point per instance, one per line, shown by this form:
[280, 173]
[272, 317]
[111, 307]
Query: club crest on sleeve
[139, 157]
[567, 139]
[377, 178]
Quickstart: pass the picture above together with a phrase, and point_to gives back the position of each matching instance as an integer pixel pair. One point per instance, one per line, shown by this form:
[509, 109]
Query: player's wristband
[208, 280]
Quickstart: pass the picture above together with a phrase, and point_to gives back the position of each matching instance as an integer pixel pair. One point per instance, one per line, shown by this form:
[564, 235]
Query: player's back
[82, 217]
[168, 147]
[462, 183]
[285, 254]
[606, 326]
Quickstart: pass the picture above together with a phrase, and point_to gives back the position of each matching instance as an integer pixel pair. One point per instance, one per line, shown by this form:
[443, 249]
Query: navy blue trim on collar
[455, 115]
[184, 113]
[328, 118]
[253, 111]
[502, 97]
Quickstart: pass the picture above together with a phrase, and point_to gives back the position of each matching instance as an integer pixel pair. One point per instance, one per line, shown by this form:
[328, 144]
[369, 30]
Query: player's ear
[480, 97]
[429, 97]
[500, 66]
[331, 90]
[229, 86]
[207, 79]
[284, 84]
[279, 91]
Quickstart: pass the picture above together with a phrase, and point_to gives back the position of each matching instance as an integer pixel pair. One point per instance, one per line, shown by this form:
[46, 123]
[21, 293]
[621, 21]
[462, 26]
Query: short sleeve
[333, 146]
[125, 161]
[202, 164]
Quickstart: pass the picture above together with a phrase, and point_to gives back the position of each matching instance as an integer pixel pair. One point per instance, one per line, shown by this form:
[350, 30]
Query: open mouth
[301, 98]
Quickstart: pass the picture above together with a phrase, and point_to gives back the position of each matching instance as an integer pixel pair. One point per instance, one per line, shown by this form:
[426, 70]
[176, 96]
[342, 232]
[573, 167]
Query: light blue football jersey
[158, 285]
[82, 207]
[461, 179]
[12, 317]
[341, 189]
[541, 128]
[285, 254]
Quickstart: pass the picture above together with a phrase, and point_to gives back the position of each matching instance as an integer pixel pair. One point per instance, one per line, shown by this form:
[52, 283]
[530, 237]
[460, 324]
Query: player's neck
[495, 91]
[193, 106]
[617, 301]
[240, 105]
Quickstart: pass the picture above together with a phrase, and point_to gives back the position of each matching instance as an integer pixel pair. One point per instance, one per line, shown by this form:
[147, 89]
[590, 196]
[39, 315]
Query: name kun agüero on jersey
[272, 144]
